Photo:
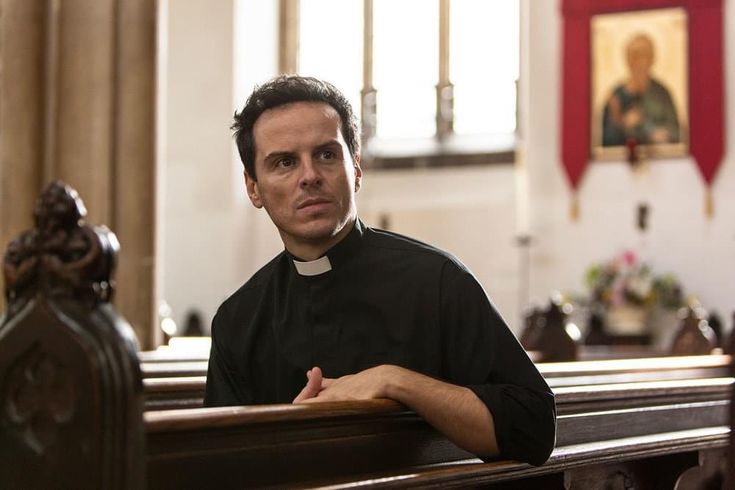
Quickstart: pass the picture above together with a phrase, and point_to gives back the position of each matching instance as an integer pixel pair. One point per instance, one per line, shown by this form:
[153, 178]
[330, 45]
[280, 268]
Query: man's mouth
[313, 201]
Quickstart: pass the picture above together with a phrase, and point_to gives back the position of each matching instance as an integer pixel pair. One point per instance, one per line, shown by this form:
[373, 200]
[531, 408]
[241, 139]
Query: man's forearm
[453, 410]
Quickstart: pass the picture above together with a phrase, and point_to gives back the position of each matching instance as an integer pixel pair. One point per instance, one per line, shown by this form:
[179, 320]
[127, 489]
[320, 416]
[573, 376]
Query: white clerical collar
[313, 267]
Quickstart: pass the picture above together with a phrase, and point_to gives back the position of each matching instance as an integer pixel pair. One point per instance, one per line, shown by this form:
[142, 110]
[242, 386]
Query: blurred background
[492, 190]
[461, 108]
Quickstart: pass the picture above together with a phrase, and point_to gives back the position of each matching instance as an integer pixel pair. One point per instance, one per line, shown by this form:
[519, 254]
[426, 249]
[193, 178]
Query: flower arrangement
[625, 280]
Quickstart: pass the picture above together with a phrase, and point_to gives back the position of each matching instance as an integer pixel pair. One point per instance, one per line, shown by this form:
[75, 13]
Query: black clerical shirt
[377, 298]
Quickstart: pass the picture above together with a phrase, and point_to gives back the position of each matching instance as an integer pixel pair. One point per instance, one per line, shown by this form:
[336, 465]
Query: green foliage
[623, 280]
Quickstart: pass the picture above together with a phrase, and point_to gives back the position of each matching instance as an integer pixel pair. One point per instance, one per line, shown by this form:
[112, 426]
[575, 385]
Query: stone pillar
[135, 167]
[22, 27]
[77, 103]
[84, 91]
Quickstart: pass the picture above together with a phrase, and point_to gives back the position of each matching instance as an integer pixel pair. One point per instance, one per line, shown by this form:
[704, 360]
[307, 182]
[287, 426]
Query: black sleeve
[484, 355]
[223, 385]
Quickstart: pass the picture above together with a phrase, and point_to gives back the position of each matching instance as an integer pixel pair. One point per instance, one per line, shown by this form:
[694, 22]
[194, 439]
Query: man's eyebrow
[328, 144]
[285, 153]
[277, 154]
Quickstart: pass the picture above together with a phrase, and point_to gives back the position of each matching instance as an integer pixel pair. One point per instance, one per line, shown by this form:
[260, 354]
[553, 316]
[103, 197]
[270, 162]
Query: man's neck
[311, 250]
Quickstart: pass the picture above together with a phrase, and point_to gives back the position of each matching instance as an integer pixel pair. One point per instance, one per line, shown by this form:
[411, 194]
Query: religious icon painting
[642, 78]
[639, 84]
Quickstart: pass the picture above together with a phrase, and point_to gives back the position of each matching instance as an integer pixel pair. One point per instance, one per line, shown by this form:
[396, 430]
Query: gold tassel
[709, 205]
[574, 208]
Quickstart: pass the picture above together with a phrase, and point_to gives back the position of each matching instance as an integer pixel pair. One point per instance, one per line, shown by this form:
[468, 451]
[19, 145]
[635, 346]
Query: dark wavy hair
[287, 89]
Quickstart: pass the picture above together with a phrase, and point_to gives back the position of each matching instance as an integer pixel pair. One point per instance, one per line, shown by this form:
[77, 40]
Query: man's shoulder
[405, 247]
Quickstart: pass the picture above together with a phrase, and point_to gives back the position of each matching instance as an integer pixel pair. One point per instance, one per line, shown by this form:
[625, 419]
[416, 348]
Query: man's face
[307, 178]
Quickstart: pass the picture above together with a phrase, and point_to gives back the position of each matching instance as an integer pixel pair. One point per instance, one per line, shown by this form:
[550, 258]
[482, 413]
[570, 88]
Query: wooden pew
[584, 373]
[174, 376]
[173, 369]
[174, 393]
[179, 390]
[71, 407]
[179, 349]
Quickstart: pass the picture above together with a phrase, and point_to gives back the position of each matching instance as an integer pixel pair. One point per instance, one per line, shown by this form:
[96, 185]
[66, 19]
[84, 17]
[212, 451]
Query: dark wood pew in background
[180, 390]
[585, 373]
[175, 378]
[174, 393]
[172, 369]
[185, 356]
[548, 336]
[179, 349]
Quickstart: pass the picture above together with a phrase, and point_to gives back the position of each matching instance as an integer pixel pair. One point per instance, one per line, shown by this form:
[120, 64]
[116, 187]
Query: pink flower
[629, 258]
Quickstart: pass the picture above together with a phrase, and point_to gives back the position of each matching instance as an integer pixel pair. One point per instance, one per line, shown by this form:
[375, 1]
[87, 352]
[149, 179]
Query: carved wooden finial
[61, 254]
[70, 384]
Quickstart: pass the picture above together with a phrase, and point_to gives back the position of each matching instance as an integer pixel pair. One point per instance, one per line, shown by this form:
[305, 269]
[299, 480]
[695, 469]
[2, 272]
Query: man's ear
[252, 187]
[358, 173]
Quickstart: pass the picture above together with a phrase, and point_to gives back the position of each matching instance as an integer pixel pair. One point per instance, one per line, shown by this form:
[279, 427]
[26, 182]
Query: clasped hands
[365, 385]
[453, 410]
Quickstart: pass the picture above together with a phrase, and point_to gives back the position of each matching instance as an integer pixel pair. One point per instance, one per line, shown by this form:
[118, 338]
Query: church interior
[482, 125]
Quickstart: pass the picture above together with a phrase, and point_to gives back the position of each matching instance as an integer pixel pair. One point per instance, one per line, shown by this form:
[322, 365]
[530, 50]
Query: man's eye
[285, 162]
[328, 154]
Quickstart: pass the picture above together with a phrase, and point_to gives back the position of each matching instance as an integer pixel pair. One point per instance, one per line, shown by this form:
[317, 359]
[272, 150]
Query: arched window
[435, 81]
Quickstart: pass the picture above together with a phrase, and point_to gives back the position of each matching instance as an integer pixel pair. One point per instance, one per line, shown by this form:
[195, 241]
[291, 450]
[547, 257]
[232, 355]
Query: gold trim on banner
[574, 207]
[709, 205]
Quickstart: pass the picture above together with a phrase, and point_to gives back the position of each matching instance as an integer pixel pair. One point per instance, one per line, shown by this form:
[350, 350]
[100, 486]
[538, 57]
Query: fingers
[315, 376]
[318, 399]
[313, 385]
[306, 392]
[333, 390]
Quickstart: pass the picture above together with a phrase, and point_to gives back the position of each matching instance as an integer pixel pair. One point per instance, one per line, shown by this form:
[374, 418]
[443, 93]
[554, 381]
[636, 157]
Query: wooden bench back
[70, 384]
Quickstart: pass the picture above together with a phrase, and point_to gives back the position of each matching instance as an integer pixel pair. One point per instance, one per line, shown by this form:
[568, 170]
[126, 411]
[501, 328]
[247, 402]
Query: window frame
[444, 149]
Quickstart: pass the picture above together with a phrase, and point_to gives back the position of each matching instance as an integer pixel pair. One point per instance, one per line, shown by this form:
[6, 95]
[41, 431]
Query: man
[641, 108]
[348, 312]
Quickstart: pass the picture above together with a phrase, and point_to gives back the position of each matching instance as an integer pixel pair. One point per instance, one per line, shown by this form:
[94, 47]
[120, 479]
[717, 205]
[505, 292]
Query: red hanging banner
[706, 87]
[705, 81]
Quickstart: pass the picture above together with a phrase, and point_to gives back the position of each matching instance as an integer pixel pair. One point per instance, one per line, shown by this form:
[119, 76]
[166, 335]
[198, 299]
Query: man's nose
[309, 173]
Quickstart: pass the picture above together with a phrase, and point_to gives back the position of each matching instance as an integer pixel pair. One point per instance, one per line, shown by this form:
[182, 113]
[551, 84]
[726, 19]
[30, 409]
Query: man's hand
[453, 410]
[365, 385]
[313, 386]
